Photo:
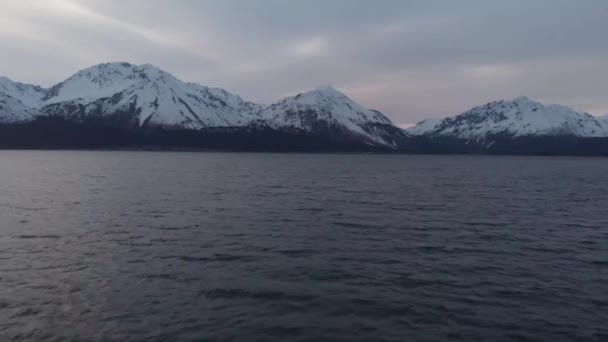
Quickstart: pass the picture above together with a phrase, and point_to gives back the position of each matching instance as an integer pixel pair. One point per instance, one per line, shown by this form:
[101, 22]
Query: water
[142, 246]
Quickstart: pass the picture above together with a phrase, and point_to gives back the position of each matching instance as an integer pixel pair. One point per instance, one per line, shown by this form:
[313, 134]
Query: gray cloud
[410, 59]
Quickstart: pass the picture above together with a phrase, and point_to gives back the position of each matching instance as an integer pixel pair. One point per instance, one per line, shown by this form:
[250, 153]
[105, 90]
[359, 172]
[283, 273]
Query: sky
[410, 59]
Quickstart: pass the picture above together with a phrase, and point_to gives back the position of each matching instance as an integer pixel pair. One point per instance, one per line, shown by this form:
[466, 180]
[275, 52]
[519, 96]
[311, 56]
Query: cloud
[409, 59]
[313, 47]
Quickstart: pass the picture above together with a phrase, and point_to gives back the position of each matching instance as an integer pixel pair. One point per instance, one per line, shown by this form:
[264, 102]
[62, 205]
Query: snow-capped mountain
[130, 96]
[29, 95]
[520, 117]
[123, 105]
[13, 110]
[424, 127]
[147, 94]
[327, 109]
[142, 94]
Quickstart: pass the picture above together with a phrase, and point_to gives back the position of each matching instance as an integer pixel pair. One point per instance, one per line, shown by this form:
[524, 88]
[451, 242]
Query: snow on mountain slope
[103, 80]
[148, 94]
[519, 117]
[27, 94]
[130, 95]
[13, 110]
[326, 108]
[428, 125]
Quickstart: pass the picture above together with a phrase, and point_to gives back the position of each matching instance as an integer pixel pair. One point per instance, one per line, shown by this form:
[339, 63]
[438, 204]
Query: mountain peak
[118, 68]
[28, 94]
[150, 68]
[327, 90]
[109, 66]
[104, 70]
[519, 117]
[325, 109]
[115, 64]
[149, 65]
[522, 102]
[320, 94]
[105, 80]
[522, 99]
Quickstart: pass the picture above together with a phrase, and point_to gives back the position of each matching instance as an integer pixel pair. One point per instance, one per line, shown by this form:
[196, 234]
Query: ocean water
[163, 246]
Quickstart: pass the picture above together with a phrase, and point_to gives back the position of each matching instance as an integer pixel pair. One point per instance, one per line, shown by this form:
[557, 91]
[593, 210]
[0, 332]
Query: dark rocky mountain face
[59, 132]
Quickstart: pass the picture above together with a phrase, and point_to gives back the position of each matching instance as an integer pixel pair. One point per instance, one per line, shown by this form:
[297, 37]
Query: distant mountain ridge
[325, 108]
[122, 105]
[146, 96]
[515, 118]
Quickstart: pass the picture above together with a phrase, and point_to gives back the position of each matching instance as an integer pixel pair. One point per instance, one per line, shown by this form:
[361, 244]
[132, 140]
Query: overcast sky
[410, 59]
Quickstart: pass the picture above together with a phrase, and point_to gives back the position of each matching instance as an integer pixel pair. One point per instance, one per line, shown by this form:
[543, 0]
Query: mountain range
[517, 118]
[126, 105]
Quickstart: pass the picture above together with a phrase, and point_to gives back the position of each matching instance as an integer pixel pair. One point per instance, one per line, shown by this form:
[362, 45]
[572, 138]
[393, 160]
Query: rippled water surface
[146, 246]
